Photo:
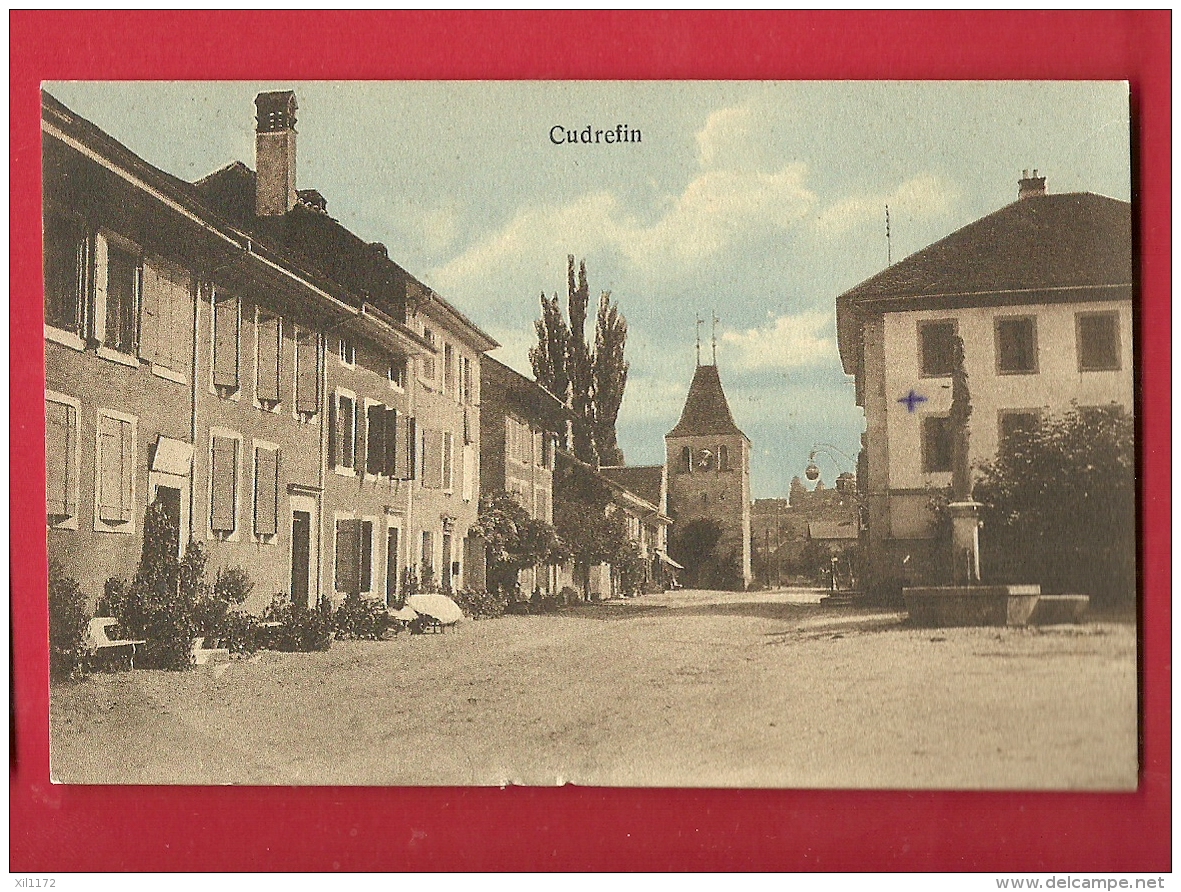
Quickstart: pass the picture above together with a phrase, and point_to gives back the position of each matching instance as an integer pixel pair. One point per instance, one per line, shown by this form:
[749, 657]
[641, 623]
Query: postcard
[645, 434]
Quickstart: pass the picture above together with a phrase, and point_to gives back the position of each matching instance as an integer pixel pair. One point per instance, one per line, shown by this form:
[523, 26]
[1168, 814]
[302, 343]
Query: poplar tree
[580, 362]
[610, 378]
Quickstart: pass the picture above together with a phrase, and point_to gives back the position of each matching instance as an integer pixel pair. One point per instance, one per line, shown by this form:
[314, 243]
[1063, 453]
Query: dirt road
[686, 689]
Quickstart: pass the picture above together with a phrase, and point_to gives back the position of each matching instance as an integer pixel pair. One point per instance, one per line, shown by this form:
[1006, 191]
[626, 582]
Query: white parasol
[438, 607]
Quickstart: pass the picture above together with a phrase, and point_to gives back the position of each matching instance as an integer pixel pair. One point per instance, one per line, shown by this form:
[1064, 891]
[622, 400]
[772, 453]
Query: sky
[758, 201]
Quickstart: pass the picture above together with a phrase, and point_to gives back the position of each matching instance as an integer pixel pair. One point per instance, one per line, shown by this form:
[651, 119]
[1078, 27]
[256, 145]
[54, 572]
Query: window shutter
[223, 472]
[351, 434]
[469, 472]
[225, 341]
[346, 575]
[390, 449]
[110, 485]
[269, 352]
[411, 454]
[375, 440]
[154, 308]
[365, 552]
[266, 485]
[333, 434]
[179, 335]
[127, 466]
[307, 382]
[60, 425]
[448, 458]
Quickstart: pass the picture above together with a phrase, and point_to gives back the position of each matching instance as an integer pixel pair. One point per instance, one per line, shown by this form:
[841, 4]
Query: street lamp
[812, 471]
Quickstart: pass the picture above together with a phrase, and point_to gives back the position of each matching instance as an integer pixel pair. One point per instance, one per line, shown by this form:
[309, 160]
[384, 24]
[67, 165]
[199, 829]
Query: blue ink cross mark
[912, 401]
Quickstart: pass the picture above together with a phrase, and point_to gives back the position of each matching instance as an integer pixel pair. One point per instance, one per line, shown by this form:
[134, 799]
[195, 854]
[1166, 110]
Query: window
[448, 461]
[448, 369]
[1012, 422]
[121, 297]
[723, 458]
[61, 461]
[226, 330]
[936, 447]
[543, 507]
[547, 450]
[268, 377]
[1016, 345]
[348, 352]
[397, 372]
[307, 372]
[937, 348]
[1098, 342]
[344, 432]
[266, 491]
[66, 256]
[114, 490]
[223, 483]
[353, 570]
[685, 466]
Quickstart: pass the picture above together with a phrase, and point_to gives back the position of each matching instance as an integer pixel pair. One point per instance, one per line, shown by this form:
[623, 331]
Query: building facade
[302, 405]
[708, 467]
[518, 452]
[1040, 292]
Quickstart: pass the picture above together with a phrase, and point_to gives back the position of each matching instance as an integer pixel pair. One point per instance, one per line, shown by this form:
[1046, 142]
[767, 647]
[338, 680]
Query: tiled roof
[645, 481]
[308, 233]
[1045, 241]
[706, 411]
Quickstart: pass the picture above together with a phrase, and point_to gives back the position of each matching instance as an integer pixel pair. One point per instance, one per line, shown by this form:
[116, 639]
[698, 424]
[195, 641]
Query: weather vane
[700, 322]
[714, 337]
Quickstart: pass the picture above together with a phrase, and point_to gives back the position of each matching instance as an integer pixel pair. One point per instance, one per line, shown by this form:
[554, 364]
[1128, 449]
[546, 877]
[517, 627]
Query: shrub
[114, 599]
[300, 629]
[68, 618]
[481, 605]
[1060, 506]
[239, 633]
[214, 613]
[361, 619]
[157, 607]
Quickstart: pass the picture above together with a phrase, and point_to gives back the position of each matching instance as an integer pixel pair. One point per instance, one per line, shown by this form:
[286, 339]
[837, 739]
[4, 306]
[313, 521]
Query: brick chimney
[1029, 186]
[274, 153]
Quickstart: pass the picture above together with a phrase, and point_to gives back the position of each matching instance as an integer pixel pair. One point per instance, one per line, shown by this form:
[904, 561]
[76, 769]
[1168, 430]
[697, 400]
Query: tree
[548, 358]
[513, 540]
[580, 363]
[610, 378]
[589, 530]
[697, 546]
[589, 378]
[1059, 506]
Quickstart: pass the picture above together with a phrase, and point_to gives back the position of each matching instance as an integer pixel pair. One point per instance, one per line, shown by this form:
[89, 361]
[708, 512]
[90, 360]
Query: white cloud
[926, 195]
[726, 137]
[717, 210]
[788, 342]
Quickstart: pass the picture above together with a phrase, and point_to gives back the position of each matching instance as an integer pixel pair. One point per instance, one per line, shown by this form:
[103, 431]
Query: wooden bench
[98, 642]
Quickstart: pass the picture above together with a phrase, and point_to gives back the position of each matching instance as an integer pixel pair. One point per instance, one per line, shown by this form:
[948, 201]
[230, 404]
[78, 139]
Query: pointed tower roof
[706, 411]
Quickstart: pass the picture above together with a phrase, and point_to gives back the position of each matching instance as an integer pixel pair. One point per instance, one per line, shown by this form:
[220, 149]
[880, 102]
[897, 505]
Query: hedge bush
[481, 605]
[360, 618]
[68, 619]
[300, 629]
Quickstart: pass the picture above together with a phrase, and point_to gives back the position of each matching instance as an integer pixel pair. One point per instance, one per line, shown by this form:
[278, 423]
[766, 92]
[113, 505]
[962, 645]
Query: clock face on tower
[705, 460]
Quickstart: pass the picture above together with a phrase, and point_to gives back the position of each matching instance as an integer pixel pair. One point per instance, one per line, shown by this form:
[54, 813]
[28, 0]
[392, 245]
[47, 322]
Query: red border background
[56, 828]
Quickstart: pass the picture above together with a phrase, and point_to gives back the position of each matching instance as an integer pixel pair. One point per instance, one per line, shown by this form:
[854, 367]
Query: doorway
[169, 498]
[391, 566]
[447, 568]
[301, 556]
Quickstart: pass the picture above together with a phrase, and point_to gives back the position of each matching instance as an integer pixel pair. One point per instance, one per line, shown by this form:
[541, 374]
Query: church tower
[708, 467]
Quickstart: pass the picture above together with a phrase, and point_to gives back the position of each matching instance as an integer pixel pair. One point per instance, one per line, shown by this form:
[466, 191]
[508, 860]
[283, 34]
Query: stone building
[1040, 292]
[781, 530]
[708, 467]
